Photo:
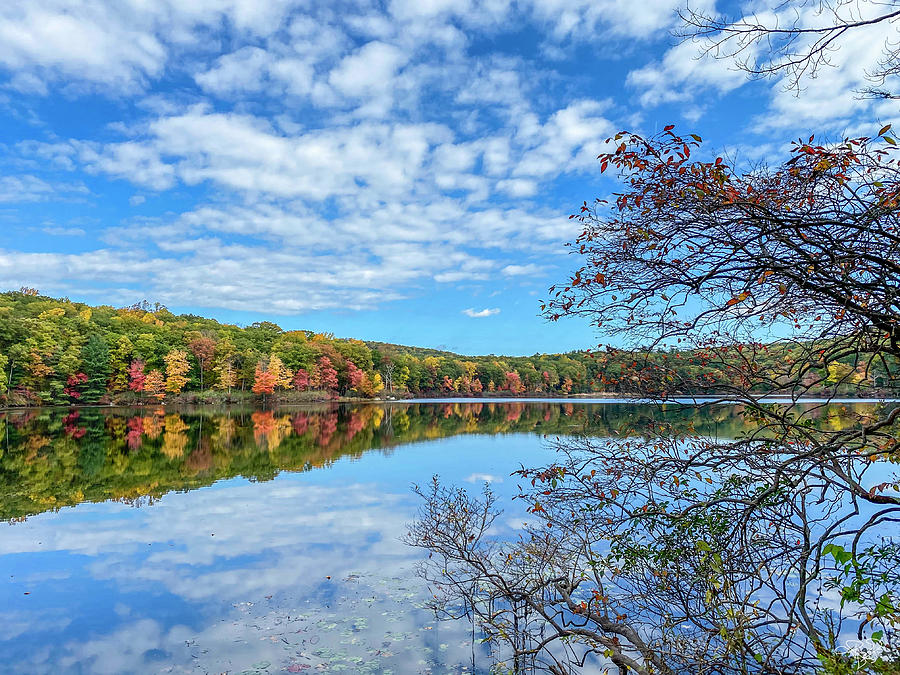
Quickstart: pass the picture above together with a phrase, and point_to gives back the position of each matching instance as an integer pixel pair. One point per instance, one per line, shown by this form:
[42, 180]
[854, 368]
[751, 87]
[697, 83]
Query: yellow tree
[371, 386]
[281, 374]
[225, 370]
[227, 377]
[177, 367]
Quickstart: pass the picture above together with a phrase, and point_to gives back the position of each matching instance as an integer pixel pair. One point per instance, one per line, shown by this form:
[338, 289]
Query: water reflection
[53, 459]
[250, 559]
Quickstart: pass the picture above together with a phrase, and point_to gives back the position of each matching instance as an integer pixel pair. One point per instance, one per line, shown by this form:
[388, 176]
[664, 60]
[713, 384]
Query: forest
[58, 352]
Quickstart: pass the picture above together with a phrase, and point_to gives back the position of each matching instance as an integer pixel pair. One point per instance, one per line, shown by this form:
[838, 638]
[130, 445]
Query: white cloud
[361, 153]
[570, 140]
[251, 70]
[682, 76]
[517, 187]
[829, 99]
[118, 46]
[521, 270]
[368, 70]
[28, 188]
[64, 231]
[480, 313]
[83, 40]
[622, 17]
[114, 47]
[351, 213]
[483, 478]
[243, 70]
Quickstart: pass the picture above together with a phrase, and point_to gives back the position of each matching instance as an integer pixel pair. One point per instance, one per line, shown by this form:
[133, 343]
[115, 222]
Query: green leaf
[884, 129]
[877, 635]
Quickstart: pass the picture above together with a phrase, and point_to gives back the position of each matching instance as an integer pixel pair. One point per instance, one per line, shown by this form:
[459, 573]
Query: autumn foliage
[667, 553]
[263, 381]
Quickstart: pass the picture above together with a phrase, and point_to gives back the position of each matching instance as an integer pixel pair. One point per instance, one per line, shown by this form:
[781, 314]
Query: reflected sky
[247, 541]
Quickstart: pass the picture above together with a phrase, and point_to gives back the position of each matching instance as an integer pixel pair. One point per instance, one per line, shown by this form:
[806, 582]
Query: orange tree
[663, 550]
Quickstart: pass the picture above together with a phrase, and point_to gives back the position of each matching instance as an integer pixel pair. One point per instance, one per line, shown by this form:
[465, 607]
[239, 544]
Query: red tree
[301, 380]
[354, 375]
[328, 375]
[514, 383]
[73, 382]
[136, 377]
[70, 425]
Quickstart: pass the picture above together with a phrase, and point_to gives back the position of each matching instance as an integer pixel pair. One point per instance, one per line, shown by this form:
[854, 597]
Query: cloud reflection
[286, 573]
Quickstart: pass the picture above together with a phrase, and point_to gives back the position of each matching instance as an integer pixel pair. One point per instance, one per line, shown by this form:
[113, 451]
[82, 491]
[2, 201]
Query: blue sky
[398, 171]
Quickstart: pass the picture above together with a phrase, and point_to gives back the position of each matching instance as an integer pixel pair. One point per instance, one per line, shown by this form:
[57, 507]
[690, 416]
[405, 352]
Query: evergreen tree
[96, 367]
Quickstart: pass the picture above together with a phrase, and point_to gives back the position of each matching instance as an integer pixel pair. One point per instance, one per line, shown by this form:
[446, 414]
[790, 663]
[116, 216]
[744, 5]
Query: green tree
[95, 355]
[120, 360]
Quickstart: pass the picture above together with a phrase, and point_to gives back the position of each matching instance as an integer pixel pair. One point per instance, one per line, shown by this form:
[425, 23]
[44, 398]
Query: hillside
[54, 351]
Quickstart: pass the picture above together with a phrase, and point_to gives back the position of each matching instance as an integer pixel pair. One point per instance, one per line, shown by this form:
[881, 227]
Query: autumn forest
[59, 352]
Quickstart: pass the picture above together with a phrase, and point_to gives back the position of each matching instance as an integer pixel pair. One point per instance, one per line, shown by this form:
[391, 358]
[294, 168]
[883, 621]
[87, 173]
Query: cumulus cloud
[829, 100]
[351, 213]
[126, 46]
[480, 313]
[483, 478]
[369, 69]
[256, 586]
[28, 188]
[683, 75]
[401, 158]
[521, 270]
[363, 154]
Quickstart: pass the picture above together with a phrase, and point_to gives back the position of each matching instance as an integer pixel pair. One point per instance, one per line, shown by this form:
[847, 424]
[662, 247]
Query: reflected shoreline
[55, 458]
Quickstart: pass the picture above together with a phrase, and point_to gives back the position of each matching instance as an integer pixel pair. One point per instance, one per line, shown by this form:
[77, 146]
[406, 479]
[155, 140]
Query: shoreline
[580, 398]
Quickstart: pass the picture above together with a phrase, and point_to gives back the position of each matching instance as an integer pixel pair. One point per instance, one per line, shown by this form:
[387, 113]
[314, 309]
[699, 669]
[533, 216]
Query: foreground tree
[663, 551]
[796, 39]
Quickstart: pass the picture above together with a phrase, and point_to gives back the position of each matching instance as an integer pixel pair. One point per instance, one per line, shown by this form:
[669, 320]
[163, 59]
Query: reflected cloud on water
[272, 541]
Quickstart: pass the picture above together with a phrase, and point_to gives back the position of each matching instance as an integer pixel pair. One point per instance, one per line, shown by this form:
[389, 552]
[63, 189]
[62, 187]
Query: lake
[253, 541]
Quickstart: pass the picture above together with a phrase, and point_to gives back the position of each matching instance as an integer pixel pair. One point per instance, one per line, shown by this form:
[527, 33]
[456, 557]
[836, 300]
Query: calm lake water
[241, 541]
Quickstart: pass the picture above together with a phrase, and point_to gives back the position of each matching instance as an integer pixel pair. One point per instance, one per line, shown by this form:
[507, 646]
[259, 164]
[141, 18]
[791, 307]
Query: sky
[399, 171]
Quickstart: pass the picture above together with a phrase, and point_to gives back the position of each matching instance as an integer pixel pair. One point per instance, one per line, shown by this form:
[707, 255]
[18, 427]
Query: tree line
[57, 352]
